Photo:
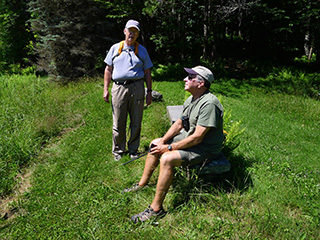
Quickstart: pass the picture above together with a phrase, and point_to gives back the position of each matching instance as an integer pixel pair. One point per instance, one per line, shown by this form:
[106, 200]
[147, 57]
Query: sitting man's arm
[192, 140]
[159, 144]
[173, 131]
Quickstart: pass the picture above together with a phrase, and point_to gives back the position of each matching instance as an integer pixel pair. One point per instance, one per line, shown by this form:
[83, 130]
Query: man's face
[191, 82]
[131, 35]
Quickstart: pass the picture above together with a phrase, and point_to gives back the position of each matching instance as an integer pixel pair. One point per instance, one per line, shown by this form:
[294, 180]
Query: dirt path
[8, 210]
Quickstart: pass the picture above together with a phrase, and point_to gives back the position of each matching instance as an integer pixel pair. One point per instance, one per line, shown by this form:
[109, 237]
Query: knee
[166, 160]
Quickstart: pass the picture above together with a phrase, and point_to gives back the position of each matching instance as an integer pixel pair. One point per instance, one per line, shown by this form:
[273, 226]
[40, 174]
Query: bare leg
[167, 164]
[151, 164]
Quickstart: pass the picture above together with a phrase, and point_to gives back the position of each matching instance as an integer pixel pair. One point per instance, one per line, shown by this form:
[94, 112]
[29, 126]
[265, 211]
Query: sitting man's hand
[158, 147]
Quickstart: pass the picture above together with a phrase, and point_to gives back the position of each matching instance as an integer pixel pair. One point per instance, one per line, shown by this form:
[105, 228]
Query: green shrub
[305, 59]
[232, 130]
[169, 72]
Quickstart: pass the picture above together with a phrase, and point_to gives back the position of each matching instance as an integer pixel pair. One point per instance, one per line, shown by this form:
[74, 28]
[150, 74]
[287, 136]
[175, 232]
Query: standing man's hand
[147, 74]
[149, 98]
[107, 80]
[106, 95]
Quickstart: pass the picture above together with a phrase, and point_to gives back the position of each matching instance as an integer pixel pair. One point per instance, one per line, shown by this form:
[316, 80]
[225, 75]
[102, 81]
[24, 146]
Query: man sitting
[201, 137]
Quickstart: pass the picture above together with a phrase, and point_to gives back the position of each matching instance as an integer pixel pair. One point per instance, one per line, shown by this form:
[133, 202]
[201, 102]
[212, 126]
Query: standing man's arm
[147, 74]
[107, 80]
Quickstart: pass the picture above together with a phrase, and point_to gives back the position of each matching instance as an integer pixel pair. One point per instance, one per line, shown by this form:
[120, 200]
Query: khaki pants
[127, 99]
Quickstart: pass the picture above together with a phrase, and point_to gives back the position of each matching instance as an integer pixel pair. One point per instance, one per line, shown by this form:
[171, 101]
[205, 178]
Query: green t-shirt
[205, 111]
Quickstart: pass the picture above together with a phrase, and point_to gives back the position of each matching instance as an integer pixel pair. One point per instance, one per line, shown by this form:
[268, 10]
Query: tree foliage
[15, 35]
[72, 35]
[259, 29]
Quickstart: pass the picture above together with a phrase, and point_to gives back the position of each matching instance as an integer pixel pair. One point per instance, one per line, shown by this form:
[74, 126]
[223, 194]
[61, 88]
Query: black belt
[126, 82]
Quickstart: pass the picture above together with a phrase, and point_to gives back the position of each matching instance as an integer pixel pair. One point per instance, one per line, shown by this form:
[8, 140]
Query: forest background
[68, 39]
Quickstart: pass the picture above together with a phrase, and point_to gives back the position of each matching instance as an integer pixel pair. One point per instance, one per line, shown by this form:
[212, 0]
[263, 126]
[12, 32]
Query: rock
[215, 166]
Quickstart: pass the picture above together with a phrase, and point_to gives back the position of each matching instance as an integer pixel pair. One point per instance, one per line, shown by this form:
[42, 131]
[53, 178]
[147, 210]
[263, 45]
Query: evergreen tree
[72, 36]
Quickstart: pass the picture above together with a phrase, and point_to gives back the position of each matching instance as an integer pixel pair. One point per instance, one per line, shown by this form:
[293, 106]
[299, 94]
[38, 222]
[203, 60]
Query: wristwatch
[169, 148]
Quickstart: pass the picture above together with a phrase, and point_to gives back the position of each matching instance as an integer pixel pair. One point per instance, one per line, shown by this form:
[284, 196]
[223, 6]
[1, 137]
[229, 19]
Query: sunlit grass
[271, 192]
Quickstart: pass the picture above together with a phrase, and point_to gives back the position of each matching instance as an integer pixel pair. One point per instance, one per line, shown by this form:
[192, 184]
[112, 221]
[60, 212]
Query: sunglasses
[191, 76]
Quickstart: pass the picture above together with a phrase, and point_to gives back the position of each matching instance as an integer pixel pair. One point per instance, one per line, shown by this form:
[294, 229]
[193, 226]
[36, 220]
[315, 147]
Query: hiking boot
[133, 188]
[148, 214]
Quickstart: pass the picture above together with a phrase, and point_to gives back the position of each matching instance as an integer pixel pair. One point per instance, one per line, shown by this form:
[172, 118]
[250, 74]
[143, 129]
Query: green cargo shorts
[193, 155]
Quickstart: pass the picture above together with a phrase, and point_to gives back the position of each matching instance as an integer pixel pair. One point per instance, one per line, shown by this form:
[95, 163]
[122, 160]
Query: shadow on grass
[188, 183]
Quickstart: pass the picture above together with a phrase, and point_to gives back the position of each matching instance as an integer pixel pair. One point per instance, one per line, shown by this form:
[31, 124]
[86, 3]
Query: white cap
[134, 24]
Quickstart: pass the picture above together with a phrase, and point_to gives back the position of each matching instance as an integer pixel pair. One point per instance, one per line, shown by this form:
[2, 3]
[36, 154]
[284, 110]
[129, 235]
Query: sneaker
[117, 157]
[133, 188]
[148, 214]
[133, 155]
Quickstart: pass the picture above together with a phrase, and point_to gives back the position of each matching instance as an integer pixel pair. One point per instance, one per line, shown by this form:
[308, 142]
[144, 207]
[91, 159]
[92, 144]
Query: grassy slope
[272, 191]
[281, 138]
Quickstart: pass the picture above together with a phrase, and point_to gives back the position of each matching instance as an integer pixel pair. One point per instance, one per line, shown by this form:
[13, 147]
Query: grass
[272, 191]
[32, 112]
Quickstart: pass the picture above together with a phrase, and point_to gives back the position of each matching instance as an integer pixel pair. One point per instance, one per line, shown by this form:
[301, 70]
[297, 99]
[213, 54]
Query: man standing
[201, 138]
[128, 64]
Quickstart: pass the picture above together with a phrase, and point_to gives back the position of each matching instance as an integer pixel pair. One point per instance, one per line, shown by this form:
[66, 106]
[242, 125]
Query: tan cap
[202, 71]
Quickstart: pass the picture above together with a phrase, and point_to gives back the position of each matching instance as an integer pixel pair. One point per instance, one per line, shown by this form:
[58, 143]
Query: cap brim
[190, 71]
